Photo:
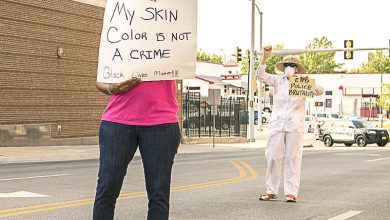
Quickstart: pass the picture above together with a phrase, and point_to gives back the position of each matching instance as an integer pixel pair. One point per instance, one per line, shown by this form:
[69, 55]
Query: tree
[320, 62]
[203, 56]
[271, 61]
[384, 98]
[378, 63]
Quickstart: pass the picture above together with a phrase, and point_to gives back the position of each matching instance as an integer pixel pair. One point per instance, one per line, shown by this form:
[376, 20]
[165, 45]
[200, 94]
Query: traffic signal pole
[301, 51]
[251, 77]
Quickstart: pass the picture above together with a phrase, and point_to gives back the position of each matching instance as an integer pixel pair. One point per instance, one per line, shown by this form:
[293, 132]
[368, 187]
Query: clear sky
[224, 24]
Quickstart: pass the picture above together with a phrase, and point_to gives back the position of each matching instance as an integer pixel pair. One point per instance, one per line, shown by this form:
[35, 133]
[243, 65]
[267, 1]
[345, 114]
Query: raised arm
[260, 72]
[318, 90]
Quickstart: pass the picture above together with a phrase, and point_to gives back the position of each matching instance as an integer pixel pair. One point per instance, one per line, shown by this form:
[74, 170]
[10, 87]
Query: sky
[225, 24]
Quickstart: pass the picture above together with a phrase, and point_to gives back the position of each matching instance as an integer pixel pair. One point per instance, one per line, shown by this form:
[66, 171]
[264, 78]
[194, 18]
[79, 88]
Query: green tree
[384, 98]
[378, 63]
[271, 61]
[203, 56]
[320, 62]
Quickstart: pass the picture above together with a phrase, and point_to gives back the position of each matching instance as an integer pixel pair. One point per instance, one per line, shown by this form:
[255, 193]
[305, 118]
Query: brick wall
[37, 87]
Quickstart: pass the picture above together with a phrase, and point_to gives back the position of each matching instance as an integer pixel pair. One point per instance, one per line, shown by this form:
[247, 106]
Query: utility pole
[251, 76]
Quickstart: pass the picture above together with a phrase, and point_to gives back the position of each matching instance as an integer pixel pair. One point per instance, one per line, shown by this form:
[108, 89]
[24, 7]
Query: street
[336, 183]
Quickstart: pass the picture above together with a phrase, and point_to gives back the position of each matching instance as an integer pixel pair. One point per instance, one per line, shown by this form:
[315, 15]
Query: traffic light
[348, 55]
[238, 54]
[266, 87]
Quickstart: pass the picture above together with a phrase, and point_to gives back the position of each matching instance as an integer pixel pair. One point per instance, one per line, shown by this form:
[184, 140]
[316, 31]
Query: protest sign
[152, 40]
[301, 87]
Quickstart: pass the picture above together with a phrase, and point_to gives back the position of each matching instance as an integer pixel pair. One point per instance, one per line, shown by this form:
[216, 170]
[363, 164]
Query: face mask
[289, 71]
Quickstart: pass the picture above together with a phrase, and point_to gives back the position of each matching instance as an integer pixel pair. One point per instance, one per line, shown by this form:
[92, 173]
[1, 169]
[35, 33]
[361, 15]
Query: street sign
[214, 99]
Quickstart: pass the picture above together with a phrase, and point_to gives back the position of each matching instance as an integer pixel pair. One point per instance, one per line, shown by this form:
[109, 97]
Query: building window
[328, 103]
[194, 88]
[328, 92]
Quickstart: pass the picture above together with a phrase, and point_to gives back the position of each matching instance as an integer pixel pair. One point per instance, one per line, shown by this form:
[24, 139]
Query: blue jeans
[118, 143]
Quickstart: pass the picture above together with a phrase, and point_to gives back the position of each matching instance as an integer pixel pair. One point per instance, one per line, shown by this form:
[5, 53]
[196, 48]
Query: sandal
[291, 198]
[267, 197]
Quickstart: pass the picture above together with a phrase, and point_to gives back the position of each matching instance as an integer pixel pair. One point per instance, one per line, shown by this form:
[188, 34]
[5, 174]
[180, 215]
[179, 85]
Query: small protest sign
[152, 40]
[301, 87]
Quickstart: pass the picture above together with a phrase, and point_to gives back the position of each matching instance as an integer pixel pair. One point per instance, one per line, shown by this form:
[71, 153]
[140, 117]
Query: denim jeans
[118, 143]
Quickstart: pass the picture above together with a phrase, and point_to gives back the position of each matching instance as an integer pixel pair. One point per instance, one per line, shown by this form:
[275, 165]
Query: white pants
[284, 148]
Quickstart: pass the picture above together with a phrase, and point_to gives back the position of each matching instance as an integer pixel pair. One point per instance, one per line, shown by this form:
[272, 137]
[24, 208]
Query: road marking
[243, 176]
[346, 215]
[353, 154]
[22, 194]
[385, 158]
[33, 177]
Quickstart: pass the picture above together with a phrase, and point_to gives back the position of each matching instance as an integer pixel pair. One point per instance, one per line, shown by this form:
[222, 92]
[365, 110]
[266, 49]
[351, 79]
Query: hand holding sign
[123, 87]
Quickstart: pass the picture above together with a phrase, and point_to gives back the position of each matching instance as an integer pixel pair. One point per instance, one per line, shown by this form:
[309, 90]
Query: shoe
[291, 198]
[267, 197]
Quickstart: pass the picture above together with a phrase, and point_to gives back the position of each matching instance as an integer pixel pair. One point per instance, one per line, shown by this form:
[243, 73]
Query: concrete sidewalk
[86, 152]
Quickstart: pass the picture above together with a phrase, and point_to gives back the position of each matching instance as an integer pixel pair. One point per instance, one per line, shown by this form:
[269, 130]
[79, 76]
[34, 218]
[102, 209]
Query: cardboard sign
[152, 40]
[301, 87]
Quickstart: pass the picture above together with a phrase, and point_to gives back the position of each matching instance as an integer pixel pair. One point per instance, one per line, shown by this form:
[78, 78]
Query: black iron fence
[201, 120]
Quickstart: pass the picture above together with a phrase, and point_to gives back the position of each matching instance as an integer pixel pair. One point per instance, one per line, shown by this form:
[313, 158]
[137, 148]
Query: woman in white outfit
[286, 129]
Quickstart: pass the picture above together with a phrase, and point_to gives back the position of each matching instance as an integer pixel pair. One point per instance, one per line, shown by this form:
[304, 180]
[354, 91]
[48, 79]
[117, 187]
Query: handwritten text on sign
[301, 87]
[147, 39]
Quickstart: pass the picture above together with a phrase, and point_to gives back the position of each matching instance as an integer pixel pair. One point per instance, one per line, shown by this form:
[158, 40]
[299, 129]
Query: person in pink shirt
[138, 115]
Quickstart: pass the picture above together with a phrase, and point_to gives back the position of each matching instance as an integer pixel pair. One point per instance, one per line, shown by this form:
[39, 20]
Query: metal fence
[200, 120]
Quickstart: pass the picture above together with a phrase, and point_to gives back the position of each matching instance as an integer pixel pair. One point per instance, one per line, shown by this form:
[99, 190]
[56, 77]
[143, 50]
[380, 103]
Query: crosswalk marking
[22, 194]
[346, 215]
[33, 177]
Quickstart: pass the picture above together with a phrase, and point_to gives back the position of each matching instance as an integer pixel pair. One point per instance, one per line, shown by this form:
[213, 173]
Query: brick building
[48, 61]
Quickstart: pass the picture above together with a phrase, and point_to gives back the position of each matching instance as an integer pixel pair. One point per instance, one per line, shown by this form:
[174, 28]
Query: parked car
[350, 132]
[266, 117]
[320, 115]
[333, 115]
[311, 123]
[325, 116]
[195, 121]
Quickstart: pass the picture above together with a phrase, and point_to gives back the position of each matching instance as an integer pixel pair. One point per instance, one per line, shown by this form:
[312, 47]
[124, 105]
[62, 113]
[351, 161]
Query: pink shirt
[148, 103]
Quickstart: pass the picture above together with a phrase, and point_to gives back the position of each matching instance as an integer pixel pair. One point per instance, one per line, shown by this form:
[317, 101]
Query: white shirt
[288, 113]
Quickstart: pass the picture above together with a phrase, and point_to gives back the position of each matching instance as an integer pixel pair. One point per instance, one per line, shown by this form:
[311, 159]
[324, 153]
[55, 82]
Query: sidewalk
[87, 152]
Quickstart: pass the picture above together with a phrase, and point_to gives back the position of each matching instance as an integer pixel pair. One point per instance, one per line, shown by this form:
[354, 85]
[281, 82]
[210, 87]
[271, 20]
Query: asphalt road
[336, 183]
